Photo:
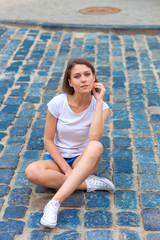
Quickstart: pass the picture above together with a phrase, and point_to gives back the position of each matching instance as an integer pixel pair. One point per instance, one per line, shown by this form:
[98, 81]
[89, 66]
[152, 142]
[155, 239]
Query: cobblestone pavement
[32, 62]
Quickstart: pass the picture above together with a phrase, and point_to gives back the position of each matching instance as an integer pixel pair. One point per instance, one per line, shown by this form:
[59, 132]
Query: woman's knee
[96, 146]
[32, 172]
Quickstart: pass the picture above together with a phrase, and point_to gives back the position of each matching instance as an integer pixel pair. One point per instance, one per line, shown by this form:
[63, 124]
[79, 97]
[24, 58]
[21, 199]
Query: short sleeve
[53, 106]
[105, 106]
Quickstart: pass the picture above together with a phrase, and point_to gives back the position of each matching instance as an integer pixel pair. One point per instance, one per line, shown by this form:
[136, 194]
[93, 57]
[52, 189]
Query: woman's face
[81, 79]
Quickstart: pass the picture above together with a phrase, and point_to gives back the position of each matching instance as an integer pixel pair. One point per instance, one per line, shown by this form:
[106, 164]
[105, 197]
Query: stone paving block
[106, 153]
[21, 180]
[130, 235]
[39, 235]
[23, 122]
[98, 219]
[10, 108]
[40, 189]
[12, 149]
[144, 156]
[128, 219]
[138, 114]
[141, 133]
[6, 176]
[119, 98]
[148, 168]
[20, 196]
[121, 124]
[121, 142]
[32, 99]
[4, 189]
[34, 220]
[14, 101]
[27, 112]
[155, 118]
[32, 154]
[144, 143]
[122, 153]
[39, 124]
[4, 125]
[8, 229]
[151, 219]
[12, 212]
[120, 115]
[126, 199]
[149, 182]
[138, 124]
[103, 169]
[137, 105]
[119, 106]
[123, 180]
[98, 199]
[16, 139]
[35, 144]
[150, 200]
[24, 79]
[2, 135]
[134, 97]
[18, 131]
[71, 235]
[69, 218]
[120, 133]
[37, 133]
[124, 166]
[9, 161]
[153, 236]
[74, 200]
[99, 235]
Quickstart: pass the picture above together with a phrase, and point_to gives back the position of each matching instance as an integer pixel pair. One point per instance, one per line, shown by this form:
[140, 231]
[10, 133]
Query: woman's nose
[83, 78]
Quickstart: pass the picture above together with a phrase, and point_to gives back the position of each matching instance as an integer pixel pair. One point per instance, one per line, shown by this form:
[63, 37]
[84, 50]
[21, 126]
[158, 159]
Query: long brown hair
[71, 63]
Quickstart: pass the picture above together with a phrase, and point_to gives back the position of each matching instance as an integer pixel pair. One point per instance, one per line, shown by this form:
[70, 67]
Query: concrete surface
[143, 12]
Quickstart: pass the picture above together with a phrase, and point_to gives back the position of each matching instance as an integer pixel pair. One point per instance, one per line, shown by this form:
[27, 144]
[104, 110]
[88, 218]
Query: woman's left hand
[98, 91]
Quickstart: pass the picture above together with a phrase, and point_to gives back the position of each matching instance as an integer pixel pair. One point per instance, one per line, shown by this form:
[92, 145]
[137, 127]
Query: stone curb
[84, 27]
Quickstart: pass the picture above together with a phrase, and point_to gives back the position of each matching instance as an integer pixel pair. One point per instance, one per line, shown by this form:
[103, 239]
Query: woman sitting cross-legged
[74, 125]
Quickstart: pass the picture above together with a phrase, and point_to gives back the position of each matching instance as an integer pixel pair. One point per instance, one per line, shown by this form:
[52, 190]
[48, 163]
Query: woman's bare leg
[86, 165]
[46, 173]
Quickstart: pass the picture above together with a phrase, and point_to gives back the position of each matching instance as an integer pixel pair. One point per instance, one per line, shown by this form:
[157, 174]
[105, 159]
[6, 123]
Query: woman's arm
[50, 128]
[100, 116]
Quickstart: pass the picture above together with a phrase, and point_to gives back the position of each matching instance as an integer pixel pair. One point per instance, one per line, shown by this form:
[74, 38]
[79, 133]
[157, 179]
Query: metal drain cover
[99, 10]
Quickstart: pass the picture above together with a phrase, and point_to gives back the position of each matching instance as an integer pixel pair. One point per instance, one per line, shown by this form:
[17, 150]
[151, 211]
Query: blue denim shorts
[70, 161]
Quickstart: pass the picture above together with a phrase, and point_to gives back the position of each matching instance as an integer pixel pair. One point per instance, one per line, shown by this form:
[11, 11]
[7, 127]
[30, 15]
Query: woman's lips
[84, 86]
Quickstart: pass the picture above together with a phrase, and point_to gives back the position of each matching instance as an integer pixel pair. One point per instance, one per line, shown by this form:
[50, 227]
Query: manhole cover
[99, 10]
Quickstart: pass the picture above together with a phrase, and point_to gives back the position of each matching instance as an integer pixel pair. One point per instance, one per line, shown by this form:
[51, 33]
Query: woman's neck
[81, 100]
[79, 103]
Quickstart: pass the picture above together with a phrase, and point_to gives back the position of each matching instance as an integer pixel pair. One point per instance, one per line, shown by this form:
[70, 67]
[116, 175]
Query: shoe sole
[106, 181]
[46, 224]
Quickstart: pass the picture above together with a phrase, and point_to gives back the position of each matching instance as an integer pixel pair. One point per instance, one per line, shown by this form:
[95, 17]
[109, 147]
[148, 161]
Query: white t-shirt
[71, 136]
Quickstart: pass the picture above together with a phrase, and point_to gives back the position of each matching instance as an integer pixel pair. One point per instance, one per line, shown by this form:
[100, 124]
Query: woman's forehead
[80, 68]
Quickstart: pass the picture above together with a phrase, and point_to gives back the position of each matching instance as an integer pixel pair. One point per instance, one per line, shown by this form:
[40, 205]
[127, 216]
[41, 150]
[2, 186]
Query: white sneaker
[99, 183]
[50, 212]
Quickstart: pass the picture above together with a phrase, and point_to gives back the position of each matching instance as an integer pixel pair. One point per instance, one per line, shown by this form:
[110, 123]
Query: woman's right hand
[68, 172]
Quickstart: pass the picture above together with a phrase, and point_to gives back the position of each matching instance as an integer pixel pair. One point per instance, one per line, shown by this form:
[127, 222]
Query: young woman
[74, 125]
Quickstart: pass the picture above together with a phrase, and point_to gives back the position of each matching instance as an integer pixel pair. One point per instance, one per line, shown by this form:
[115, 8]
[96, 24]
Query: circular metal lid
[99, 10]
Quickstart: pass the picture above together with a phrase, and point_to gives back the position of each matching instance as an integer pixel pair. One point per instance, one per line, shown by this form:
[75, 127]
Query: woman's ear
[70, 83]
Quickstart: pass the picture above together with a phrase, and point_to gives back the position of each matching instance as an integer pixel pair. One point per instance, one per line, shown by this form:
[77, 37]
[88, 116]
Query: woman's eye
[76, 76]
[87, 74]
